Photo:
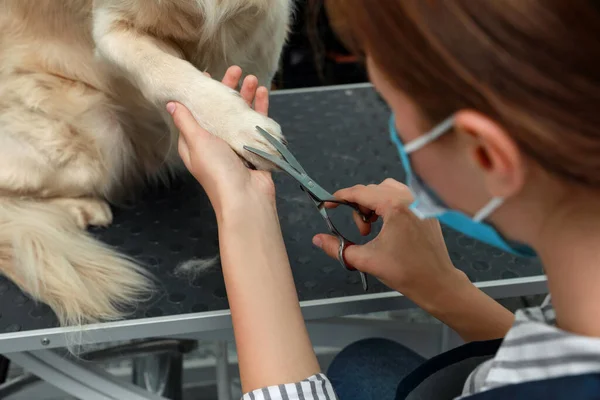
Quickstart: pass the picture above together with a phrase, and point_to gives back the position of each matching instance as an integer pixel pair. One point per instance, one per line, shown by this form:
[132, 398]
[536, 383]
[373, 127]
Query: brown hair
[531, 65]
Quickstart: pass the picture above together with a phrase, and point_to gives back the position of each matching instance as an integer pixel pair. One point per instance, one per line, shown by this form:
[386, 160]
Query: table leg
[223, 379]
[160, 374]
[81, 380]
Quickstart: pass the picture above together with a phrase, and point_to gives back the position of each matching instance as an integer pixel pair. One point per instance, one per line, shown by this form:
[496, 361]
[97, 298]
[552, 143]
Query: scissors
[288, 163]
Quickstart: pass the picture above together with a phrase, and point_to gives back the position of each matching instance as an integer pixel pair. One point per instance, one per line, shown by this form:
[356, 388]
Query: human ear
[493, 151]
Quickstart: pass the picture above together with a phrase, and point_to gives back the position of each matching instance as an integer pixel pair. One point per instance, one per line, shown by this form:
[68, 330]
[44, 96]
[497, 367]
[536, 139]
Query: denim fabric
[371, 369]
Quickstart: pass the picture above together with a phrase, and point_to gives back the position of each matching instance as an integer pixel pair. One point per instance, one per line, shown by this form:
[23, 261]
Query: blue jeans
[371, 369]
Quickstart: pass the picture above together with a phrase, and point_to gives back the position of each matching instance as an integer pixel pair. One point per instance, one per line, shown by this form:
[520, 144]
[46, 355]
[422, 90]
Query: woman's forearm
[467, 310]
[271, 337]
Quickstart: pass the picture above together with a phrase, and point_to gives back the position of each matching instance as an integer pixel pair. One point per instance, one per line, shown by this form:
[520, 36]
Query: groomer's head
[522, 78]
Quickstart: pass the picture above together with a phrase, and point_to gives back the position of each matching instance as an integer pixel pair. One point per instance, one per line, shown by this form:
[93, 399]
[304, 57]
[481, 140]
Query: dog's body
[83, 89]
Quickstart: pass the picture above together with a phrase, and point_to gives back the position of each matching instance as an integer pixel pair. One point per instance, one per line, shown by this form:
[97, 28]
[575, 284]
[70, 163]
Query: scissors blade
[317, 194]
[365, 283]
[285, 153]
[280, 162]
[313, 188]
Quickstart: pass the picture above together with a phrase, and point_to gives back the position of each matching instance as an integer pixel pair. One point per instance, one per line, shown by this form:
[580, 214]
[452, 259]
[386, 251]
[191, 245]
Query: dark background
[313, 55]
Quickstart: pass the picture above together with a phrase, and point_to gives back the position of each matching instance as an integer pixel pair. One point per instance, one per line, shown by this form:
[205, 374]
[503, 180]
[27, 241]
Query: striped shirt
[535, 349]
[317, 387]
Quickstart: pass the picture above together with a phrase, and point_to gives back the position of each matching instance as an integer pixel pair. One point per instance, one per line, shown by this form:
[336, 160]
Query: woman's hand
[408, 255]
[213, 163]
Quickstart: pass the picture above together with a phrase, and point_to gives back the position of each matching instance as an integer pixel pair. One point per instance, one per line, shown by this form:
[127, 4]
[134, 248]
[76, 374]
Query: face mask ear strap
[488, 209]
[430, 136]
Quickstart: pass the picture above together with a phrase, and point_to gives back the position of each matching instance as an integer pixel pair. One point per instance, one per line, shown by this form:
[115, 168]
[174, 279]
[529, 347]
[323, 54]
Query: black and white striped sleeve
[317, 387]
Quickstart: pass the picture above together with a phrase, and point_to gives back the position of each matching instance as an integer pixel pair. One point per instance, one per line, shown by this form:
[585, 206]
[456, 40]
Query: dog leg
[87, 211]
[52, 174]
[157, 70]
[54, 261]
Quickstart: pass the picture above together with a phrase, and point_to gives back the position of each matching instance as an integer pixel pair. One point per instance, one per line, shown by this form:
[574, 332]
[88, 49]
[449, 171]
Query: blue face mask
[428, 205]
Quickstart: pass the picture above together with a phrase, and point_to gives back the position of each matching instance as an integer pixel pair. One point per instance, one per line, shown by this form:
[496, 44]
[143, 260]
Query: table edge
[194, 323]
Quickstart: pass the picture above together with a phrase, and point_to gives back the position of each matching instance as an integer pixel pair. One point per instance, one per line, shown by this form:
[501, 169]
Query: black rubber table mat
[341, 137]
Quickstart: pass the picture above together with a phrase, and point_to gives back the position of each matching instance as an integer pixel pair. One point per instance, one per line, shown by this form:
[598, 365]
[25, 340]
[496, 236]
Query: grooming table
[169, 227]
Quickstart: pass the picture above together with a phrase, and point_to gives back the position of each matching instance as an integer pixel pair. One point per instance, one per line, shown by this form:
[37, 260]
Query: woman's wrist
[462, 306]
[244, 206]
[437, 292]
[440, 292]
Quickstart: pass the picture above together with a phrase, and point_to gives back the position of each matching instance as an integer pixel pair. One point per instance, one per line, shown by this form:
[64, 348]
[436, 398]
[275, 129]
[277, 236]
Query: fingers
[249, 87]
[250, 91]
[378, 198]
[232, 77]
[368, 213]
[403, 193]
[189, 129]
[353, 255]
[329, 244]
[331, 206]
[261, 102]
[363, 227]
[367, 197]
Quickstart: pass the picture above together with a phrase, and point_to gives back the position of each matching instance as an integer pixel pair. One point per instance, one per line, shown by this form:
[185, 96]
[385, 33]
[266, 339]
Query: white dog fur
[83, 89]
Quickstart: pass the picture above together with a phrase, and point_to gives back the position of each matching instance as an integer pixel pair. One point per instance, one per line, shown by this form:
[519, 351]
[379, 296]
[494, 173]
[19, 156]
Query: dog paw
[87, 212]
[229, 117]
[241, 131]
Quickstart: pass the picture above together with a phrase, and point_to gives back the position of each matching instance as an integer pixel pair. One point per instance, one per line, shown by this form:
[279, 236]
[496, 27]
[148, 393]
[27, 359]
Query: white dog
[83, 89]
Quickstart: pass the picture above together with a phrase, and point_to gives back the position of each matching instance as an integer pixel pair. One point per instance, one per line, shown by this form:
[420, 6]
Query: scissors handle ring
[365, 217]
[344, 243]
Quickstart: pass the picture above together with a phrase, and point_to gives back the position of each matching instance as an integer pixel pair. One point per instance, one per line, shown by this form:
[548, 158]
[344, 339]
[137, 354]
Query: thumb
[353, 255]
[184, 152]
[186, 123]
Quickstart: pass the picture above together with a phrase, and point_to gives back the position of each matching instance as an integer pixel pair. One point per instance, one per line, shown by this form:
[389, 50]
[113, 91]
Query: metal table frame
[210, 325]
[87, 381]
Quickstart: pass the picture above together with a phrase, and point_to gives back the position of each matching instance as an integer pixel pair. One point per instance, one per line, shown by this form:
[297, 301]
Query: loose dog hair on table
[83, 89]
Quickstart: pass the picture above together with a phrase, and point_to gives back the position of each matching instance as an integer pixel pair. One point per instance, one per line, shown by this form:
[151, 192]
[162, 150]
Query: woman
[497, 124]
